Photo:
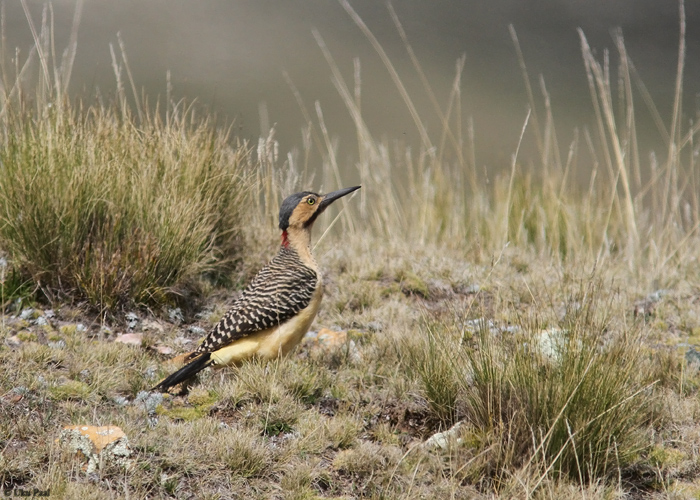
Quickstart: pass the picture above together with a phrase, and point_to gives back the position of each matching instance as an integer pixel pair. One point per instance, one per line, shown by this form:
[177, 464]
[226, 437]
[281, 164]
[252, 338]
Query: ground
[341, 421]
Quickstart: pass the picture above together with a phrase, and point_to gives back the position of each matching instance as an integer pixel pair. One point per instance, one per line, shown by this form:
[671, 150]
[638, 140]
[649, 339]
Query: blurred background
[231, 57]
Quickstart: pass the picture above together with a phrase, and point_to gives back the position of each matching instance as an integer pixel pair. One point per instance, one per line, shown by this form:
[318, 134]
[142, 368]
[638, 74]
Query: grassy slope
[337, 423]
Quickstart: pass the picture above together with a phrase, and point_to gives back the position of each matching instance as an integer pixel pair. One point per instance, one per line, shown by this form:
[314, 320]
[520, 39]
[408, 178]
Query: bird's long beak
[331, 197]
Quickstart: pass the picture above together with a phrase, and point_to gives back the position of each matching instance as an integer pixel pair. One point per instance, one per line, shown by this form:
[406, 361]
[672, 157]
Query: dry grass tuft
[109, 207]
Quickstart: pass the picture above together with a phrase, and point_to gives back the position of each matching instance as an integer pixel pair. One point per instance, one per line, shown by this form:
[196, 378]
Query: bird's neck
[299, 240]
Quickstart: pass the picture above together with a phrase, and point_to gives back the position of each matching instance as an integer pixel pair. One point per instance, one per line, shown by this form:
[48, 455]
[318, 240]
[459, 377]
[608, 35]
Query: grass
[101, 209]
[111, 207]
[507, 308]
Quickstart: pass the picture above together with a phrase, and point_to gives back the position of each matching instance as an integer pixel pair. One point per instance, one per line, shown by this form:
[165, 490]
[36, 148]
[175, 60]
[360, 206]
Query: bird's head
[299, 211]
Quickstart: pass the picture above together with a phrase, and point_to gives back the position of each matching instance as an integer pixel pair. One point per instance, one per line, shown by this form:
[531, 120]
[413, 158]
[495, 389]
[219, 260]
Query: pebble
[27, 313]
[132, 320]
[196, 330]
[150, 372]
[163, 349]
[176, 315]
[130, 338]
[149, 400]
[692, 357]
[442, 439]
[465, 289]
[330, 340]
[100, 445]
[120, 400]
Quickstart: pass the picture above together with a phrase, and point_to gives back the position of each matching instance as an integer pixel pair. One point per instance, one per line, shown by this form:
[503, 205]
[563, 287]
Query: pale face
[305, 210]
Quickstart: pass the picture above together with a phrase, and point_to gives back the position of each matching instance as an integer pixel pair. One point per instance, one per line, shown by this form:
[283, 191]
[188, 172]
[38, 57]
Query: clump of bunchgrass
[101, 208]
[430, 360]
[566, 400]
[111, 205]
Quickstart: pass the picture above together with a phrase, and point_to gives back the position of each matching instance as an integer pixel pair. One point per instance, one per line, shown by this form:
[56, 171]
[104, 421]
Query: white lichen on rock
[99, 445]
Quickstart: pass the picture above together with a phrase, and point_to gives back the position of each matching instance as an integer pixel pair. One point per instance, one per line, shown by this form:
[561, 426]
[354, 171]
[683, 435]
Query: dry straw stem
[600, 75]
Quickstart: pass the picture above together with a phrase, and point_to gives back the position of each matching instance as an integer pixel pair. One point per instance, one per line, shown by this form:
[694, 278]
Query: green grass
[571, 398]
[507, 307]
[103, 208]
[111, 205]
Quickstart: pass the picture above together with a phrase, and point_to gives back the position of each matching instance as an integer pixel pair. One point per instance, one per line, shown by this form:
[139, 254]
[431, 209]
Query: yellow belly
[273, 342]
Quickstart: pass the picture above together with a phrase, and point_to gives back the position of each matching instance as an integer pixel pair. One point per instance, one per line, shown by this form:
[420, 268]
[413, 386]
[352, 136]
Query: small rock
[149, 401]
[330, 339]
[510, 329]
[204, 313]
[150, 372]
[49, 313]
[58, 344]
[552, 343]
[354, 352]
[132, 320]
[41, 321]
[692, 357]
[465, 289]
[130, 338]
[196, 330]
[99, 445]
[21, 390]
[80, 327]
[120, 400]
[163, 349]
[27, 313]
[183, 340]
[176, 315]
[474, 325]
[310, 336]
[442, 439]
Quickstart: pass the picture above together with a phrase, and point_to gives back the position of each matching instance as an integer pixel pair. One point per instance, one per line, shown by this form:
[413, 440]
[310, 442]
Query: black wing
[277, 293]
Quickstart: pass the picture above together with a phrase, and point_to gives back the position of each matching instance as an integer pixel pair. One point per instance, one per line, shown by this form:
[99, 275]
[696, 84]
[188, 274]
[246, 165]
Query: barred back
[277, 293]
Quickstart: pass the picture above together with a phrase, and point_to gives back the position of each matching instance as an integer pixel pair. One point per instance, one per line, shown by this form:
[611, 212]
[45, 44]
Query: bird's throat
[299, 240]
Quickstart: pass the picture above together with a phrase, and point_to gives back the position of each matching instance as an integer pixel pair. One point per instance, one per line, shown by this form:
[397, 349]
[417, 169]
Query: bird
[279, 304]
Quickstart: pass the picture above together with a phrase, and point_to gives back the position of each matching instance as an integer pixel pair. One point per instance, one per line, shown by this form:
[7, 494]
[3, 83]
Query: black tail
[186, 372]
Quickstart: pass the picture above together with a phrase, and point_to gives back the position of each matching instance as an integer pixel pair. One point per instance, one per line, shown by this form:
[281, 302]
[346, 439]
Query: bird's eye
[310, 201]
